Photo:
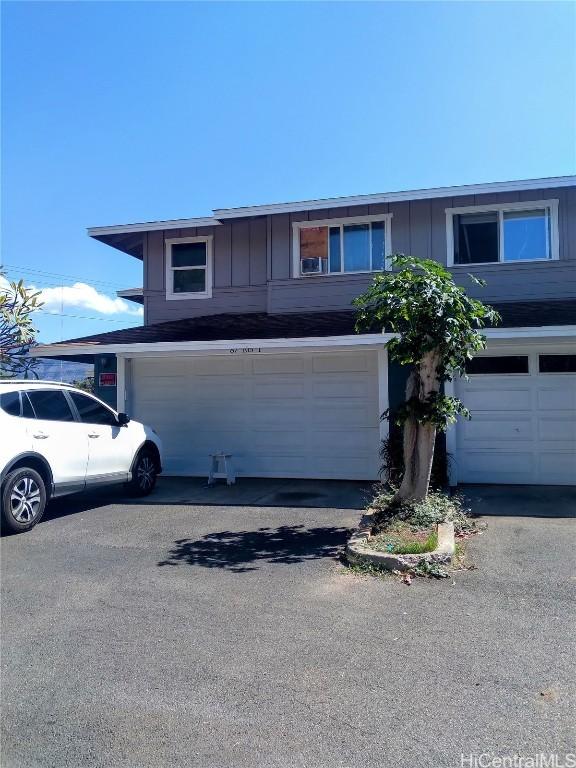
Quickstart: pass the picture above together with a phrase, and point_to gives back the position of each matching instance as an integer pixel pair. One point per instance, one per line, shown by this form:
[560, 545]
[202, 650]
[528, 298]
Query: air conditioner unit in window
[311, 266]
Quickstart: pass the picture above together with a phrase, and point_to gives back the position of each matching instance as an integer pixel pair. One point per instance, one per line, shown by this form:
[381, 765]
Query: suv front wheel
[23, 499]
[144, 474]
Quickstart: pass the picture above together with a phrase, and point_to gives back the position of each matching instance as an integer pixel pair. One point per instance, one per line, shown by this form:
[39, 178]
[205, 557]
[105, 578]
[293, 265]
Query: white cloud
[85, 296]
[82, 296]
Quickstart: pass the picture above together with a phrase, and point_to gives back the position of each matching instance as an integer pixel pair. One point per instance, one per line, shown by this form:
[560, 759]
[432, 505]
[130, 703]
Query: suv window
[91, 411]
[10, 403]
[51, 405]
[27, 410]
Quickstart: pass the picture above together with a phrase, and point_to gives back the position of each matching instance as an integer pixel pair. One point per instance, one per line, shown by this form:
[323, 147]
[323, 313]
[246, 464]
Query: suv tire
[23, 500]
[144, 474]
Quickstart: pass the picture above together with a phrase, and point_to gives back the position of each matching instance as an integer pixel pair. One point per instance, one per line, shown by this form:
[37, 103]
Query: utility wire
[17, 268]
[83, 317]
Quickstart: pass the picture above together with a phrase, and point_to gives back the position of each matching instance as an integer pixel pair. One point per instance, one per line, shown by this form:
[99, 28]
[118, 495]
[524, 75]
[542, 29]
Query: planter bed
[359, 550]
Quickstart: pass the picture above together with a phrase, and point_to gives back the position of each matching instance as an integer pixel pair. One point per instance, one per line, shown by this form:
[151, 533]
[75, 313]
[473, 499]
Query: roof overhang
[553, 333]
[132, 294]
[129, 237]
[394, 197]
[221, 346]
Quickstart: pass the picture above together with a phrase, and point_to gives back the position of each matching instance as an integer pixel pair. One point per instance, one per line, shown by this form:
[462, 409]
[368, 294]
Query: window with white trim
[341, 246]
[189, 268]
[504, 233]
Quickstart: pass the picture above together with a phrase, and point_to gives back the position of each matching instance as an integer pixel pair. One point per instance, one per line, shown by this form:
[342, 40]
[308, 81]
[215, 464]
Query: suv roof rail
[37, 381]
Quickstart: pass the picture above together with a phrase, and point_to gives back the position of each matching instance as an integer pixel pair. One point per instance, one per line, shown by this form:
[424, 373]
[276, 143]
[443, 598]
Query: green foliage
[86, 384]
[437, 507]
[432, 570]
[17, 333]
[421, 302]
[438, 409]
[403, 539]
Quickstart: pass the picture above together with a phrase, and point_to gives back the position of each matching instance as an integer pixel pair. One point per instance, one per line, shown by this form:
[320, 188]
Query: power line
[17, 268]
[82, 317]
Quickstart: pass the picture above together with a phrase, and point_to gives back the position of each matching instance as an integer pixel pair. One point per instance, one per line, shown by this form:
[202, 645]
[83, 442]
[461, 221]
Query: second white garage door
[523, 426]
[291, 415]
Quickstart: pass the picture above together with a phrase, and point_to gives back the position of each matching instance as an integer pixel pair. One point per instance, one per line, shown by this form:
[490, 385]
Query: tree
[17, 333]
[86, 384]
[438, 330]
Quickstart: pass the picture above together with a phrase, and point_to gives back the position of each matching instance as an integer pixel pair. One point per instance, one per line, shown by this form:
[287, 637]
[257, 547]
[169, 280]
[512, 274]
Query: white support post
[449, 390]
[383, 401]
[120, 383]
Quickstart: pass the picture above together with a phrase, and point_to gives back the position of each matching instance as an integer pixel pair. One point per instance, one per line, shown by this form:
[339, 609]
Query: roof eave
[391, 197]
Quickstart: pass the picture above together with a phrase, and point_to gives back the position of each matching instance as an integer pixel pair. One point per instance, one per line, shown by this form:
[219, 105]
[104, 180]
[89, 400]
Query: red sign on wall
[107, 380]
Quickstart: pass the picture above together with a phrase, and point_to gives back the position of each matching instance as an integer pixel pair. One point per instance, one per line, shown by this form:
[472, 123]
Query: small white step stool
[221, 467]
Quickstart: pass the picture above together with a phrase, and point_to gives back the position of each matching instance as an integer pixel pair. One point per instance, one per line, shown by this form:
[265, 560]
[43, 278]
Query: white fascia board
[143, 349]
[539, 332]
[153, 226]
[393, 197]
[222, 346]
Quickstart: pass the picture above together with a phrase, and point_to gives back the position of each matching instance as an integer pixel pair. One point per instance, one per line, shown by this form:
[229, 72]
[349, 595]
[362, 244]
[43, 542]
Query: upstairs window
[189, 268]
[511, 233]
[337, 246]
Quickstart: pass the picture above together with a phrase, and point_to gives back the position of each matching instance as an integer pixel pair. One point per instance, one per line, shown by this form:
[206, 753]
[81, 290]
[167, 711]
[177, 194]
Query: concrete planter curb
[358, 551]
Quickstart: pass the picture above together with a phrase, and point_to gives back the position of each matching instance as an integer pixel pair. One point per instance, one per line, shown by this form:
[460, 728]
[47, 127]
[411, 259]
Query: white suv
[56, 439]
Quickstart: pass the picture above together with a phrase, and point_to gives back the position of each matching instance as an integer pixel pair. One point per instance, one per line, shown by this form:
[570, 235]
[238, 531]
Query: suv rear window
[10, 403]
[51, 405]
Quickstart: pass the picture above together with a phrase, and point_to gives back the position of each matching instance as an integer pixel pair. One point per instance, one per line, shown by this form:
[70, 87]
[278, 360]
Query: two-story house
[248, 343]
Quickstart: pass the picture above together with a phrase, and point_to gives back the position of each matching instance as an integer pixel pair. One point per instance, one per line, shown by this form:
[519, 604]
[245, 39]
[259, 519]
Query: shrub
[436, 508]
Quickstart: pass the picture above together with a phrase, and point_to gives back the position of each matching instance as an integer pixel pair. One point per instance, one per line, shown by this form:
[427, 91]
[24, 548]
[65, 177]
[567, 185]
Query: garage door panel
[518, 433]
[279, 415]
[286, 364]
[357, 386]
[353, 361]
[343, 413]
[484, 399]
[280, 389]
[557, 398]
[497, 465]
[344, 443]
[557, 429]
[483, 428]
[215, 366]
[554, 467]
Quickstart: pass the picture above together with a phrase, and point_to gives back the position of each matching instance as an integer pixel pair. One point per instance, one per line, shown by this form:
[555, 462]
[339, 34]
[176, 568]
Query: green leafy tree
[86, 384]
[17, 332]
[438, 330]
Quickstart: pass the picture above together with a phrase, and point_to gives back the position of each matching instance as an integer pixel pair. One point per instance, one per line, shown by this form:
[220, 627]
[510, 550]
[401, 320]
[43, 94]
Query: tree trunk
[419, 439]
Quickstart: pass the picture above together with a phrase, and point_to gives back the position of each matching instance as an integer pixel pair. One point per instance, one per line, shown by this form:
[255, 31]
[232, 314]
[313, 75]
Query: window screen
[498, 365]
[557, 363]
[51, 405]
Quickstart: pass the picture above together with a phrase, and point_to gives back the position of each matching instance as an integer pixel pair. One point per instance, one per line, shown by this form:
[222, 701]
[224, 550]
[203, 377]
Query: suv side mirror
[123, 419]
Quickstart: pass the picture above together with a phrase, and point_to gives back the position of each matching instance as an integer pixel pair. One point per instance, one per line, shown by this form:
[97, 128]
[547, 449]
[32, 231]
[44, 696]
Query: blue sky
[121, 112]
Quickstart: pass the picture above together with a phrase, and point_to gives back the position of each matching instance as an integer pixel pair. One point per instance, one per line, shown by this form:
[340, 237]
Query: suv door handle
[93, 434]
[40, 435]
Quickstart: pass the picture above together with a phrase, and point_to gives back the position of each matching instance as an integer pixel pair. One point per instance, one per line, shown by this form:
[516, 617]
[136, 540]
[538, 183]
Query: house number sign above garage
[244, 350]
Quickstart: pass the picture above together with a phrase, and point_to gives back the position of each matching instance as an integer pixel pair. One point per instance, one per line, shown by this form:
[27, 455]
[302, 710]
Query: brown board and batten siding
[419, 229]
[239, 271]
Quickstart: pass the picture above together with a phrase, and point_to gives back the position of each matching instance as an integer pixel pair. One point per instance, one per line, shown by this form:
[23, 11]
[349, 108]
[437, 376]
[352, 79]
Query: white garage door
[309, 415]
[523, 426]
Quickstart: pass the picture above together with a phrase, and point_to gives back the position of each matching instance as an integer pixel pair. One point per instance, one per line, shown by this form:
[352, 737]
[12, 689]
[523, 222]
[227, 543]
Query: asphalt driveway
[220, 636]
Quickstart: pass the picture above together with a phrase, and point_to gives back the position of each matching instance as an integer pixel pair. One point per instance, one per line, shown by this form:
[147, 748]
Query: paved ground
[152, 635]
